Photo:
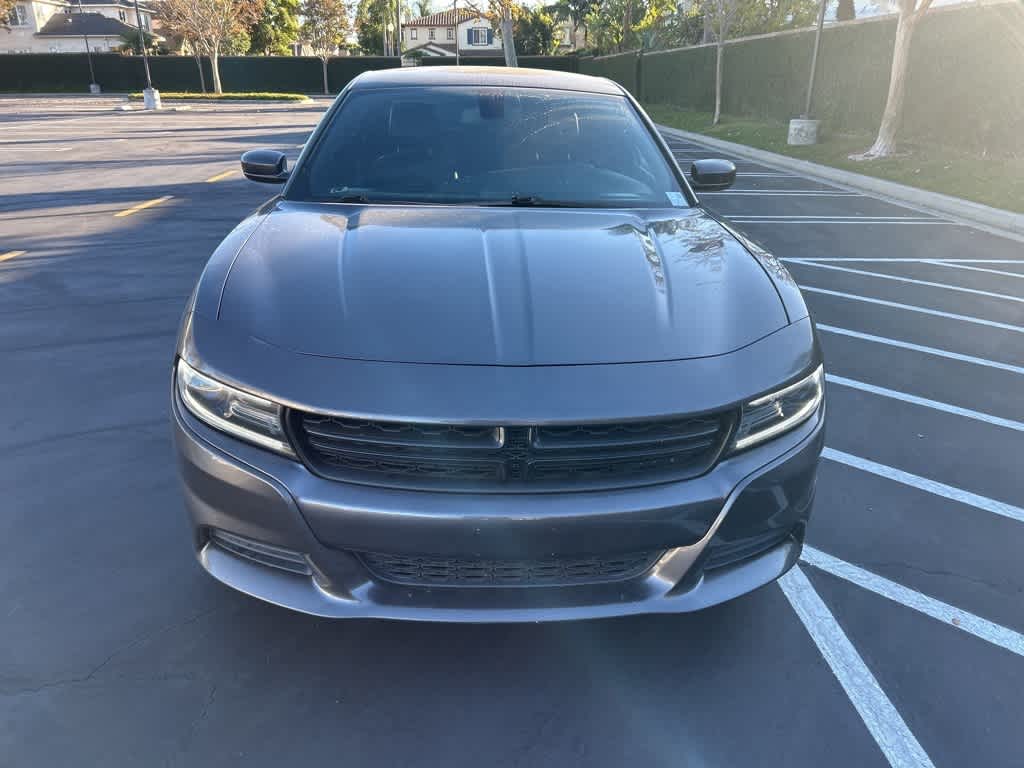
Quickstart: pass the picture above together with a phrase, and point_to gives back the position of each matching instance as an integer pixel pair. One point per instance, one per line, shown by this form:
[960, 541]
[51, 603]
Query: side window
[18, 17]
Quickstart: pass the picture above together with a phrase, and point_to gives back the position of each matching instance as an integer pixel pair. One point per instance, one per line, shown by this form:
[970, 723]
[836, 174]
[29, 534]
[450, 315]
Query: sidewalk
[1006, 222]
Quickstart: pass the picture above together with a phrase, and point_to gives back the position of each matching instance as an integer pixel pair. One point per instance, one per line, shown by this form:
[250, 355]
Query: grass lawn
[256, 96]
[994, 180]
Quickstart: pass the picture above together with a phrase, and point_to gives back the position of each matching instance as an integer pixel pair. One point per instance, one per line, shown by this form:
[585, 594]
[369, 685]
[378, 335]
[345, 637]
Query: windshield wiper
[531, 201]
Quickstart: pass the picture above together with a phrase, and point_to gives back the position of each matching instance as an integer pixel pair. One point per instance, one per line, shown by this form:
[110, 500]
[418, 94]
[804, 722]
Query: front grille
[421, 570]
[508, 459]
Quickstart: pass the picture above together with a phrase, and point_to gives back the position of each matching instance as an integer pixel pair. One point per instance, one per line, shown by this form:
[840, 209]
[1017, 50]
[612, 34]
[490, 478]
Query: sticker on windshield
[676, 198]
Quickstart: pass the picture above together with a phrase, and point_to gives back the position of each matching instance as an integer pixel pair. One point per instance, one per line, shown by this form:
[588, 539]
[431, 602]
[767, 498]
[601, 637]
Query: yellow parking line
[143, 206]
[224, 175]
[10, 255]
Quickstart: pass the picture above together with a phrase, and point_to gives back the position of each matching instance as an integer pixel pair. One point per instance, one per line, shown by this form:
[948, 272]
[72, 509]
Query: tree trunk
[718, 82]
[327, 91]
[508, 42]
[199, 66]
[627, 26]
[885, 143]
[215, 68]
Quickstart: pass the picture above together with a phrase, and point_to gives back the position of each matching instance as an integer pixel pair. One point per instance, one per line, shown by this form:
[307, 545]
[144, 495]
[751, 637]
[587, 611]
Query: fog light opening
[264, 554]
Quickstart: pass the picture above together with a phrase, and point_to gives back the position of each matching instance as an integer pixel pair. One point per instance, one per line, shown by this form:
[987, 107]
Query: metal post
[398, 27]
[455, 10]
[142, 45]
[93, 88]
[814, 60]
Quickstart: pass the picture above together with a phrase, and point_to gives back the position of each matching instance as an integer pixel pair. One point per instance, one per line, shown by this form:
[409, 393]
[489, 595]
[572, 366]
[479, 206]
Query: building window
[18, 17]
[412, 33]
[478, 36]
[432, 34]
[122, 15]
[451, 33]
[145, 22]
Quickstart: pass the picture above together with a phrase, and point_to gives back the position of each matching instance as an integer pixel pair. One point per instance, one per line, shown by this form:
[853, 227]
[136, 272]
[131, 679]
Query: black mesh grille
[481, 458]
[440, 571]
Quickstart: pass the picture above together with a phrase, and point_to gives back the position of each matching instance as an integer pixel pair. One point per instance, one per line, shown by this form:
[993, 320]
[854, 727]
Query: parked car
[487, 358]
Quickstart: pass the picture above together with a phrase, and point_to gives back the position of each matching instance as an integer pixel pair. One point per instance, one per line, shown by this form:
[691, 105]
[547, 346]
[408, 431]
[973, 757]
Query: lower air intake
[420, 570]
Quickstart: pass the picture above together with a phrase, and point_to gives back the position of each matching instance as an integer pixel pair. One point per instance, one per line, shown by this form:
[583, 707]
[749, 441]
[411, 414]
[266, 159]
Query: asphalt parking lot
[897, 641]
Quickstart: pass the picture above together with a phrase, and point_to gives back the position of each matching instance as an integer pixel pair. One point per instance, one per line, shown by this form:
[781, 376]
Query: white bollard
[802, 132]
[151, 98]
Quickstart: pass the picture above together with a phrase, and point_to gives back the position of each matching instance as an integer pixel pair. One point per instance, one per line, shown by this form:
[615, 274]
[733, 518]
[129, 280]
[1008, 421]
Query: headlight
[771, 415]
[230, 410]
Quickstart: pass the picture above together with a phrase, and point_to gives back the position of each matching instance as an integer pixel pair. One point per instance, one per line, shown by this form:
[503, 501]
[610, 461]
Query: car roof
[509, 77]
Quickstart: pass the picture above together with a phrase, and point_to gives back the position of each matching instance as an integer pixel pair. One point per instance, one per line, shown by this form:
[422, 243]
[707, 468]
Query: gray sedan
[487, 358]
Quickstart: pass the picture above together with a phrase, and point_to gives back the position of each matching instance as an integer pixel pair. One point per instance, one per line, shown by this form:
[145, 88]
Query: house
[55, 26]
[439, 33]
[567, 39]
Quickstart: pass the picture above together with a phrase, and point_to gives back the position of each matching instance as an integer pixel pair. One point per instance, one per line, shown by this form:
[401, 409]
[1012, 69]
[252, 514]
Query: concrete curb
[964, 210]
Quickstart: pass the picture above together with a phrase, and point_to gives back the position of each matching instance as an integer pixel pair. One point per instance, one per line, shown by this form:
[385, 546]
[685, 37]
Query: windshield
[496, 146]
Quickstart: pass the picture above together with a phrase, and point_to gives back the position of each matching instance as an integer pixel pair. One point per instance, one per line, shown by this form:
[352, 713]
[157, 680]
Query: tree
[6, 13]
[275, 29]
[605, 26]
[130, 42]
[846, 11]
[422, 8]
[723, 15]
[576, 11]
[911, 12]
[763, 16]
[535, 33]
[371, 20]
[213, 27]
[324, 26]
[502, 14]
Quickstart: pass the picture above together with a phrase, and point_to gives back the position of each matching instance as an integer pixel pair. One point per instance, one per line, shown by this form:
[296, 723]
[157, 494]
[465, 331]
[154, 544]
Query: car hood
[497, 286]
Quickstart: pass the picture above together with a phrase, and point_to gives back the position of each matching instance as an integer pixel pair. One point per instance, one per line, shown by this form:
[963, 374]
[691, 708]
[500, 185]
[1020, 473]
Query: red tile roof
[443, 19]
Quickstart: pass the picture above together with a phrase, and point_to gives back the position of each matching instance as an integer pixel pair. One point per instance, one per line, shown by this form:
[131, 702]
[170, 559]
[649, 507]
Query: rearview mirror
[267, 165]
[712, 175]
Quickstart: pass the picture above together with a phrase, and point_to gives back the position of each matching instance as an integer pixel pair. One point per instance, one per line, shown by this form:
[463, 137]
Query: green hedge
[965, 86]
[686, 78]
[61, 72]
[344, 68]
[622, 68]
[558, 63]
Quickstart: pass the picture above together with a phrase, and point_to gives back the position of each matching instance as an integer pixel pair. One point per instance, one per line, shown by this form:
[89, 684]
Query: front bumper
[762, 495]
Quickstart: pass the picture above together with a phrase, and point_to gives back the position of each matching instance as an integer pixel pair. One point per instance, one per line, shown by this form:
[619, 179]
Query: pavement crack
[206, 708]
[139, 426]
[94, 671]
[1004, 589]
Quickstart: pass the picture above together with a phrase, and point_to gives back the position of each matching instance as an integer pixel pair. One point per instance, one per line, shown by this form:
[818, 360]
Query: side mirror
[712, 175]
[267, 165]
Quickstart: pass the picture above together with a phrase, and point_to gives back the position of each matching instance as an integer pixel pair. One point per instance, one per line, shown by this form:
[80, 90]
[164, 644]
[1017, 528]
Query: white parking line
[967, 622]
[882, 719]
[915, 281]
[858, 220]
[956, 410]
[814, 259]
[924, 484]
[981, 269]
[914, 308]
[768, 175]
[921, 348]
[785, 193]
